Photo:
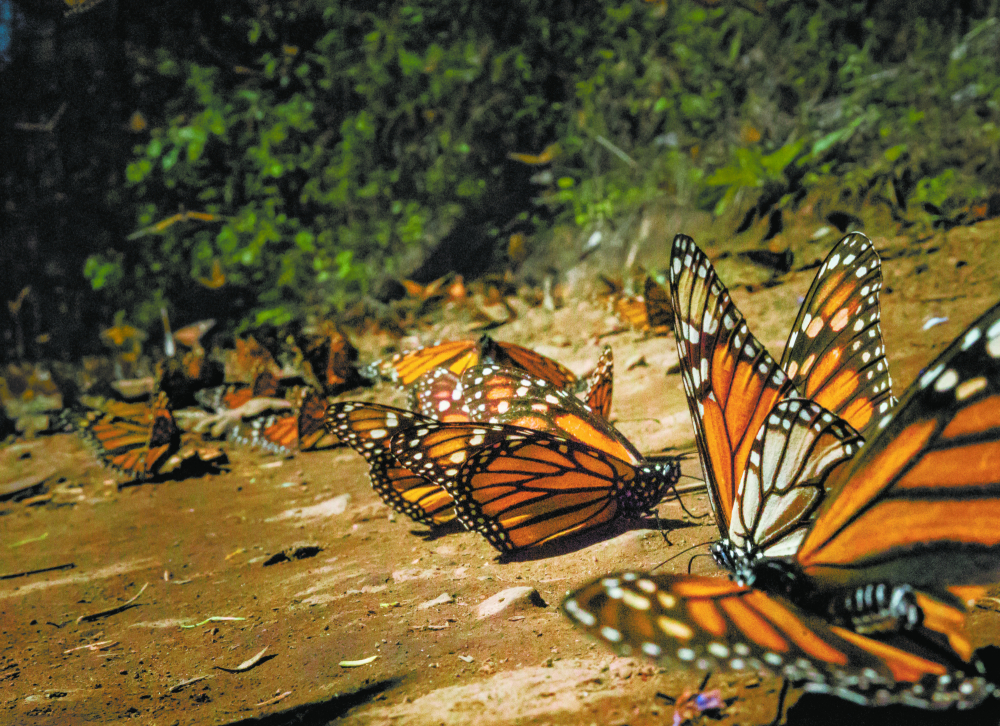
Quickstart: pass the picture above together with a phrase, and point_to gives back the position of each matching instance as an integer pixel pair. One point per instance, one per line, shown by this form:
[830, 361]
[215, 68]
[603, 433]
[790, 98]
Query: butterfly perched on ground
[133, 438]
[328, 357]
[869, 604]
[286, 433]
[227, 398]
[535, 464]
[834, 367]
[456, 356]
[651, 311]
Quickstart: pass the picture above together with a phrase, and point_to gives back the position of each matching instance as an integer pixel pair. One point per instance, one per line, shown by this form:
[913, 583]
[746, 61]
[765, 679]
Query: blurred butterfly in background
[132, 438]
[227, 398]
[868, 603]
[284, 434]
[328, 358]
[652, 311]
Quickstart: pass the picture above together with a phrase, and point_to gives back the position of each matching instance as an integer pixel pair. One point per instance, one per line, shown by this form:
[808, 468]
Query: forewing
[600, 385]
[835, 353]
[438, 395]
[731, 381]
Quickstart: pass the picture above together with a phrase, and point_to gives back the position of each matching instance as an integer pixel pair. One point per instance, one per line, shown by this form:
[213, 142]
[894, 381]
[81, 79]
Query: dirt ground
[378, 585]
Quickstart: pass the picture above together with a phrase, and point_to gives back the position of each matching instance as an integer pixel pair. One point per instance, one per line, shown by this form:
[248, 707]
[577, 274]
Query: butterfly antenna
[682, 552]
[680, 501]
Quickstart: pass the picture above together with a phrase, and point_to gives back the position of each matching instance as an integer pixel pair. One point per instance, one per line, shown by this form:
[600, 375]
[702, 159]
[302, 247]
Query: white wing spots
[503, 406]
[709, 323]
[970, 388]
[677, 266]
[444, 406]
[652, 650]
[859, 325]
[947, 381]
[718, 650]
[762, 368]
[849, 259]
[866, 356]
[693, 335]
[729, 321]
[970, 338]
[704, 369]
[993, 347]
[861, 272]
[865, 290]
[805, 321]
[475, 441]
[378, 433]
[702, 271]
[522, 391]
[928, 378]
[696, 378]
[832, 262]
[685, 654]
[994, 330]
[885, 421]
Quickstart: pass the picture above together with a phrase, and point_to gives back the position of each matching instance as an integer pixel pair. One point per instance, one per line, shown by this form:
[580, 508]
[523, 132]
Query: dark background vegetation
[327, 147]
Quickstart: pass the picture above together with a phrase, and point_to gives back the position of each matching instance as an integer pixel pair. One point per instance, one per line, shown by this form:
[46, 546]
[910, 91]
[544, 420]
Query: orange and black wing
[835, 354]
[135, 439]
[731, 381]
[311, 419]
[367, 428]
[600, 385]
[405, 368]
[659, 310]
[538, 365]
[521, 488]
[495, 394]
[919, 504]
[438, 395]
[711, 624]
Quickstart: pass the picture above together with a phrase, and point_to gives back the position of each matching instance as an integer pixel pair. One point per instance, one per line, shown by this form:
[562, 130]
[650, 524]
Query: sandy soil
[370, 583]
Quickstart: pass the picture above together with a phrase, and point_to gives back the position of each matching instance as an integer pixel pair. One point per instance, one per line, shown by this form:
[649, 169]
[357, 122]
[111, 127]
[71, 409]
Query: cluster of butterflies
[856, 529]
[284, 414]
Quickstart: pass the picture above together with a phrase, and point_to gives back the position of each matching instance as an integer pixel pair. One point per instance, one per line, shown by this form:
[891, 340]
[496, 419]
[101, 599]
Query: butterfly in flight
[869, 603]
[535, 464]
[133, 438]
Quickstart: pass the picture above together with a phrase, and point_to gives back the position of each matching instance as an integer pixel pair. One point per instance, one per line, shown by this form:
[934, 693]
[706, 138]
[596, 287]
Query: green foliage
[354, 136]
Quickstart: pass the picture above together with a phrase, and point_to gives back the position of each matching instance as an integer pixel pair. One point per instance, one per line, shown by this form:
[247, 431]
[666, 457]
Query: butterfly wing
[600, 385]
[495, 394]
[659, 311]
[835, 353]
[538, 365]
[454, 356]
[519, 487]
[919, 504]
[731, 381]
[367, 428]
[135, 439]
[799, 443]
[709, 624]
[311, 419]
[438, 395]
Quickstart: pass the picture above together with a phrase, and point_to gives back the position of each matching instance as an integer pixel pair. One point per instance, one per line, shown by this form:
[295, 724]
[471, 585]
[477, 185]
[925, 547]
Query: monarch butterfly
[869, 605]
[456, 356]
[651, 311]
[835, 357]
[282, 434]
[368, 428]
[227, 398]
[248, 359]
[328, 357]
[135, 439]
[535, 464]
